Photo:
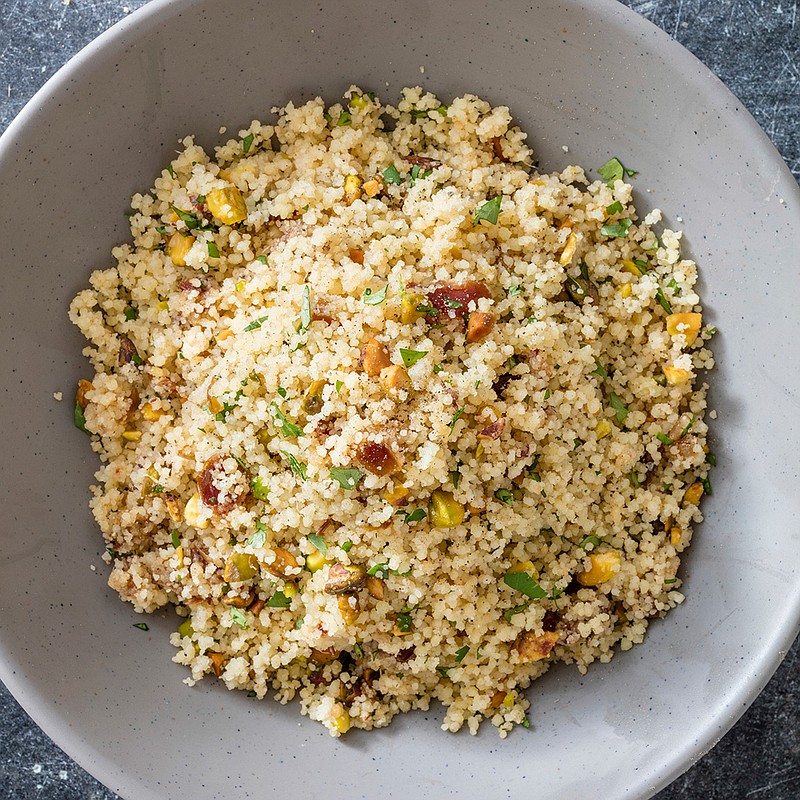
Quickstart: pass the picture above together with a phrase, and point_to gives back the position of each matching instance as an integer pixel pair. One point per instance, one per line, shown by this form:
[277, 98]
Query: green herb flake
[344, 119]
[213, 251]
[599, 370]
[513, 291]
[688, 427]
[358, 651]
[79, 419]
[410, 357]
[455, 477]
[423, 309]
[190, 219]
[614, 208]
[379, 570]
[298, 467]
[489, 211]
[374, 298]
[634, 479]
[671, 580]
[346, 546]
[176, 539]
[711, 459]
[142, 626]
[347, 477]
[417, 515]
[319, 543]
[247, 142]
[255, 324]
[171, 170]
[522, 582]
[664, 439]
[279, 600]
[252, 693]
[504, 496]
[260, 492]
[338, 385]
[262, 259]
[617, 230]
[391, 175]
[404, 622]
[131, 313]
[259, 538]
[662, 301]
[546, 395]
[288, 429]
[455, 418]
[510, 612]
[461, 653]
[305, 310]
[619, 408]
[613, 170]
[589, 541]
[443, 671]
[707, 487]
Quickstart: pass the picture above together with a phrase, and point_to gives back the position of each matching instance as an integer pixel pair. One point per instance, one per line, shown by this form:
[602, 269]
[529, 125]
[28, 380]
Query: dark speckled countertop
[754, 47]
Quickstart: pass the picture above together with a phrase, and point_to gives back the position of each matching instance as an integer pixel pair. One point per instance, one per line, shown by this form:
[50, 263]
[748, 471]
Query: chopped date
[423, 162]
[377, 458]
[208, 484]
[457, 299]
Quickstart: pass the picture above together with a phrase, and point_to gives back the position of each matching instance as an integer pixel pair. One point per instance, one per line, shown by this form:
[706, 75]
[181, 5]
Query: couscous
[390, 416]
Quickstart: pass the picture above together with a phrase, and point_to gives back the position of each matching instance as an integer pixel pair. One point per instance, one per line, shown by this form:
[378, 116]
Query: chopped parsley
[688, 427]
[711, 459]
[319, 543]
[176, 539]
[191, 220]
[344, 119]
[347, 477]
[259, 538]
[599, 370]
[213, 251]
[489, 211]
[619, 408]
[707, 486]
[618, 229]
[260, 492]
[346, 546]
[142, 626]
[79, 419]
[338, 385]
[504, 496]
[171, 170]
[262, 259]
[613, 170]
[664, 439]
[523, 582]
[131, 313]
[423, 309]
[455, 477]
[589, 541]
[404, 622]
[247, 142]
[374, 298]
[255, 324]
[391, 175]
[671, 580]
[614, 208]
[513, 291]
[298, 467]
[662, 301]
[634, 479]
[305, 310]
[461, 653]
[455, 417]
[510, 612]
[288, 429]
[416, 515]
[239, 618]
[410, 357]
[279, 600]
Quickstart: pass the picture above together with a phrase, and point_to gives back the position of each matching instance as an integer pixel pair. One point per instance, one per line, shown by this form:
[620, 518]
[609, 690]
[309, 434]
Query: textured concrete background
[754, 47]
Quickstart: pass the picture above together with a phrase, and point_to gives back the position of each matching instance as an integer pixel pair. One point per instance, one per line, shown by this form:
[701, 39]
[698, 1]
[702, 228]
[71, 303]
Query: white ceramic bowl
[588, 75]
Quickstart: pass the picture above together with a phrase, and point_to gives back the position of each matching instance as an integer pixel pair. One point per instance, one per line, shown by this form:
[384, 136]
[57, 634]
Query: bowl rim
[732, 704]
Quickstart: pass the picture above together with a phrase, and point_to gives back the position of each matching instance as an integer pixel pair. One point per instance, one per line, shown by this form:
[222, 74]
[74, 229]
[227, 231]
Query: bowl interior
[591, 77]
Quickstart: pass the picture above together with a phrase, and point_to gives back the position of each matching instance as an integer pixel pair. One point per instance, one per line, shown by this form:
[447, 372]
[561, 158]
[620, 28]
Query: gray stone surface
[754, 47]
